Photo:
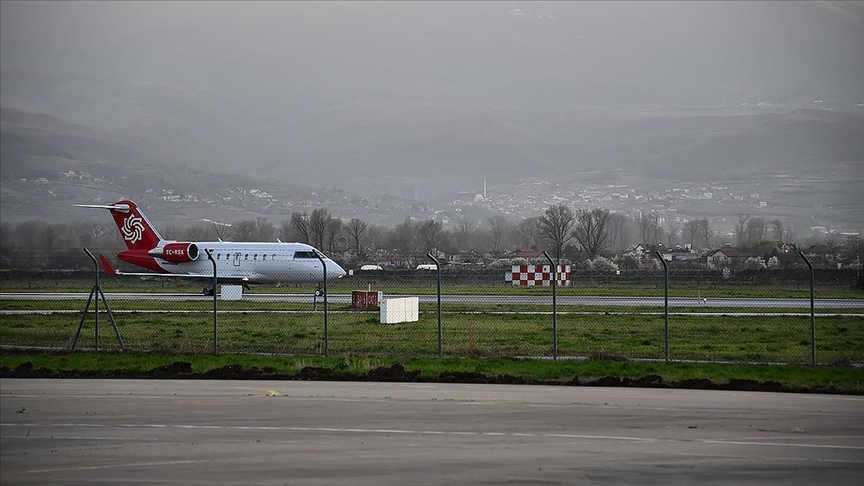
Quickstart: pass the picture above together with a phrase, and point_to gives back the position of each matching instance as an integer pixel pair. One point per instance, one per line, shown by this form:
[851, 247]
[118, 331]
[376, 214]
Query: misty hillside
[50, 164]
[510, 144]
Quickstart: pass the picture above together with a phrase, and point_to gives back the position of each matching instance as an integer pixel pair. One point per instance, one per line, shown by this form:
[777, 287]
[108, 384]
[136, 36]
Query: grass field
[747, 338]
[705, 333]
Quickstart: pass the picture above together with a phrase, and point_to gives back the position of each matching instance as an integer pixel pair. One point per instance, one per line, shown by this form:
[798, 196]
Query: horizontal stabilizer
[114, 207]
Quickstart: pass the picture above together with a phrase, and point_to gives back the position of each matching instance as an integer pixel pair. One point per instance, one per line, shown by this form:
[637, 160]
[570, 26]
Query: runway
[287, 432]
[562, 300]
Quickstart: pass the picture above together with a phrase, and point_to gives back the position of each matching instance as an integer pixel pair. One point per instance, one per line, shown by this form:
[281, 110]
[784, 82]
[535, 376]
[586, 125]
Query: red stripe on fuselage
[141, 259]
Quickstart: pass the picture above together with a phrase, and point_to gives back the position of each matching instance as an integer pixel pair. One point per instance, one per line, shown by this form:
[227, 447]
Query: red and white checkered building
[537, 275]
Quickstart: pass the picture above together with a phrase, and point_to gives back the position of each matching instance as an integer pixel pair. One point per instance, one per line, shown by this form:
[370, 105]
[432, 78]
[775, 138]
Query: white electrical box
[402, 309]
[232, 292]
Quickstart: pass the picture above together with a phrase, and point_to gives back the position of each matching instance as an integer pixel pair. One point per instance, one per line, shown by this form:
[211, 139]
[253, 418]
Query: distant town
[672, 207]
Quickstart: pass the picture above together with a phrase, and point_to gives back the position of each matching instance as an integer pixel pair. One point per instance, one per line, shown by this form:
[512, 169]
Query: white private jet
[236, 262]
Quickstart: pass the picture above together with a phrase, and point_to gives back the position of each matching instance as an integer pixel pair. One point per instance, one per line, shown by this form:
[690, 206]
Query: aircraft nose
[335, 271]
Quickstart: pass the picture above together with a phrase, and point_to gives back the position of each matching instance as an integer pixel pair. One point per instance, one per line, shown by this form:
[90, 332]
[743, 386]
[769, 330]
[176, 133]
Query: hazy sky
[485, 49]
[418, 97]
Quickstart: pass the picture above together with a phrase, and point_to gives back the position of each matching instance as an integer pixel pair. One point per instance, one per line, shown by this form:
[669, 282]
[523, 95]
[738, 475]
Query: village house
[727, 257]
[531, 255]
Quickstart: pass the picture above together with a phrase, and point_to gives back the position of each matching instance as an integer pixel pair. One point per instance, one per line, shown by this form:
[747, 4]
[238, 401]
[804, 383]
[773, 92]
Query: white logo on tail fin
[133, 229]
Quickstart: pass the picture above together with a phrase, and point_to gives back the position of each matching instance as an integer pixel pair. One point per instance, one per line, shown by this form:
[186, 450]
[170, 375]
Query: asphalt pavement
[315, 433]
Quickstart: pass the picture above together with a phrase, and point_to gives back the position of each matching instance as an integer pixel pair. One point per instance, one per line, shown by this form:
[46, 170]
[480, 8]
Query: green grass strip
[834, 379]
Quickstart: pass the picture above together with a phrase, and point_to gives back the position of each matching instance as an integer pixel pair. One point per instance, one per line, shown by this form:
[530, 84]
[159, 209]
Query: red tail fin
[134, 227]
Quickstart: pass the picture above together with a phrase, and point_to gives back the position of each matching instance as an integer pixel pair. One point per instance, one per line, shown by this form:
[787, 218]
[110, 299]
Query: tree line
[565, 233]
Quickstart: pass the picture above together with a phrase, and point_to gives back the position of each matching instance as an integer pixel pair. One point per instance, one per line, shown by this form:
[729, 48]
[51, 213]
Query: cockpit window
[304, 254]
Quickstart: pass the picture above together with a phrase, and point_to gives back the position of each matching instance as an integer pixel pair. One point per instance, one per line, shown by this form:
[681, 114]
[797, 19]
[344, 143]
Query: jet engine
[176, 252]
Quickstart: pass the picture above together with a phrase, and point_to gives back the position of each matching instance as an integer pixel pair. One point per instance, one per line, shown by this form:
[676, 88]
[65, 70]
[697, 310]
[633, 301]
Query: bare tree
[755, 231]
[318, 221]
[790, 235]
[690, 231]
[48, 237]
[672, 235]
[527, 232]
[6, 251]
[221, 230]
[555, 225]
[376, 236]
[853, 250]
[618, 230]
[644, 223]
[95, 234]
[430, 234]
[656, 229]
[405, 238]
[356, 230]
[741, 230]
[592, 230]
[334, 227]
[300, 222]
[244, 230]
[196, 232]
[264, 229]
[705, 231]
[286, 231]
[649, 225]
[777, 227]
[497, 229]
[170, 232]
[462, 235]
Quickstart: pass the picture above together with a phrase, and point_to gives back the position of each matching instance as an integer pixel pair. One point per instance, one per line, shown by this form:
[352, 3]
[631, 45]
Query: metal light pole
[554, 305]
[665, 304]
[438, 267]
[209, 252]
[812, 312]
[324, 268]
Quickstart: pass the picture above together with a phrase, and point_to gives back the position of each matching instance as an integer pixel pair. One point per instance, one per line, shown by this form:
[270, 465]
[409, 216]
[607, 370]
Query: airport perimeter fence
[763, 316]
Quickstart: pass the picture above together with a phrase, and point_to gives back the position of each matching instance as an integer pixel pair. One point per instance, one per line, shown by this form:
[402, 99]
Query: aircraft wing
[109, 270]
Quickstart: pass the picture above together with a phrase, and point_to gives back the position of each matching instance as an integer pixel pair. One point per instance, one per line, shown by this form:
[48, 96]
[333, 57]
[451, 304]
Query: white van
[371, 267]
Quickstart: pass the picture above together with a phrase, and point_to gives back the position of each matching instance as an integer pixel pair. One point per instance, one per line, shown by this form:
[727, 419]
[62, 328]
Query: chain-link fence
[762, 316]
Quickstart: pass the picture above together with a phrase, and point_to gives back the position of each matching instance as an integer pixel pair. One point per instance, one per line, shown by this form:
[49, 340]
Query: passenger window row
[230, 256]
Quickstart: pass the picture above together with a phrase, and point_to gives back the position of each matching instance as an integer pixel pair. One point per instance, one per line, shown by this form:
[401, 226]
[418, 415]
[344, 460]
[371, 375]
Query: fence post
[812, 312]
[209, 252]
[95, 294]
[326, 331]
[438, 268]
[554, 306]
[665, 304]
[96, 288]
